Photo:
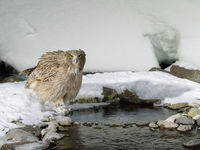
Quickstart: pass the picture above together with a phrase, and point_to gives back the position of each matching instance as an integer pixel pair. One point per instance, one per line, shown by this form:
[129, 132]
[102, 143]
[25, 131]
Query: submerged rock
[163, 124]
[184, 128]
[184, 120]
[192, 143]
[175, 106]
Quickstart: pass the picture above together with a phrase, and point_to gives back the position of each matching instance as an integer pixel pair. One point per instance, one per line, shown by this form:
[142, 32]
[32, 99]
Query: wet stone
[166, 124]
[88, 124]
[153, 125]
[184, 128]
[97, 127]
[175, 106]
[193, 112]
[192, 143]
[185, 120]
[115, 125]
[20, 136]
[173, 117]
[141, 123]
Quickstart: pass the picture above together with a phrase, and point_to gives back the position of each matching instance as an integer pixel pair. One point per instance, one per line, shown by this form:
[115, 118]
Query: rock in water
[193, 112]
[175, 106]
[184, 128]
[173, 117]
[166, 124]
[185, 120]
[153, 125]
[192, 144]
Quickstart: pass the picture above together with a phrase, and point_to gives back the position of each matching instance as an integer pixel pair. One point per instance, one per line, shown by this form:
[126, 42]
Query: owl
[57, 76]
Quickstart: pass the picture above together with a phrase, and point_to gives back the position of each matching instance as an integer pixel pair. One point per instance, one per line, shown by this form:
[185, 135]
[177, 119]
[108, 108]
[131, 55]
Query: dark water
[119, 138]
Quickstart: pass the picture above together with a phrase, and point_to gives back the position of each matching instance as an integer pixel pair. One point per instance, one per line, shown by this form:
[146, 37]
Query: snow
[147, 85]
[110, 31]
[185, 65]
[18, 103]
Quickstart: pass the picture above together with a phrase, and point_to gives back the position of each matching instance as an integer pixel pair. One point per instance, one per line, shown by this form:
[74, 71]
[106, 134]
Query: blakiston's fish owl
[57, 76]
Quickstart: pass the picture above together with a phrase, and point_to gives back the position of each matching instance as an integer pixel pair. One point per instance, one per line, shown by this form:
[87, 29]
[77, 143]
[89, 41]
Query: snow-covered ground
[20, 104]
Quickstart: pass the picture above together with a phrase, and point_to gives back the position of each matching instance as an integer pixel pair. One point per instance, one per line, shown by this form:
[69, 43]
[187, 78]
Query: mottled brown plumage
[57, 76]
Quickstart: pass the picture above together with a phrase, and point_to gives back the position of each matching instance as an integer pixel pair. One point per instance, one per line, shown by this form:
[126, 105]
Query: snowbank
[147, 85]
[18, 104]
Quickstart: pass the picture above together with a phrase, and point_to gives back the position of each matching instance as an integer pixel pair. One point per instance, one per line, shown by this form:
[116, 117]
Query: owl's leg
[60, 107]
[59, 102]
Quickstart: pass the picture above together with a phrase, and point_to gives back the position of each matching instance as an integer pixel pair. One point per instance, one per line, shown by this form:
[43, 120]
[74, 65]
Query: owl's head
[76, 58]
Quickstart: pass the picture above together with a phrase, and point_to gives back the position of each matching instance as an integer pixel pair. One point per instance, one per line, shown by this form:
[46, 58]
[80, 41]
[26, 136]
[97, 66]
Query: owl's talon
[62, 110]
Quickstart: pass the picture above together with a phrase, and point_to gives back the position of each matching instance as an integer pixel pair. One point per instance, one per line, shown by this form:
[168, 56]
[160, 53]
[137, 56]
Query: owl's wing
[46, 69]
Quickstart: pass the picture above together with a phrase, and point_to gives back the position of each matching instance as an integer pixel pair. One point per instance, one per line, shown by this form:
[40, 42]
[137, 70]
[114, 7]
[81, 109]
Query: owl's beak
[75, 60]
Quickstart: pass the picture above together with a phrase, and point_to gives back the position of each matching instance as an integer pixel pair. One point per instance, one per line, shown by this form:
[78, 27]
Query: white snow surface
[184, 65]
[110, 31]
[147, 85]
[20, 104]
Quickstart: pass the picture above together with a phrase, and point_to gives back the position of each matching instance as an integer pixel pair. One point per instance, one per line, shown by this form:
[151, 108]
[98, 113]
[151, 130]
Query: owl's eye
[79, 56]
[71, 56]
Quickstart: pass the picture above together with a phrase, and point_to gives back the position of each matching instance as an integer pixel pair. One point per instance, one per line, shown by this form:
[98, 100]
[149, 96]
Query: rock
[64, 121]
[196, 117]
[50, 133]
[163, 124]
[184, 110]
[61, 128]
[13, 79]
[196, 105]
[88, 124]
[76, 123]
[173, 117]
[184, 120]
[193, 75]
[192, 143]
[193, 112]
[198, 122]
[20, 135]
[175, 106]
[141, 123]
[153, 125]
[184, 128]
[131, 97]
[87, 100]
[97, 127]
[115, 125]
[159, 69]
[109, 94]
